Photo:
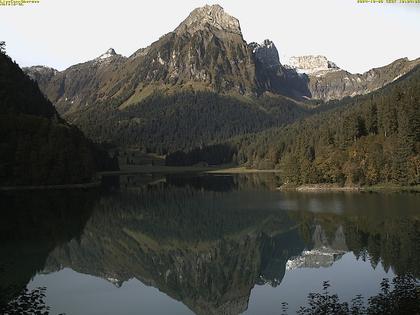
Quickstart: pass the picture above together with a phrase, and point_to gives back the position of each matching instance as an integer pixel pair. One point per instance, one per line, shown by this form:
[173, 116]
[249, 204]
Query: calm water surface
[202, 244]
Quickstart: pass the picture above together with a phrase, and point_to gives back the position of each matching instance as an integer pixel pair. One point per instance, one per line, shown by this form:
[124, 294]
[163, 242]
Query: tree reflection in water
[205, 241]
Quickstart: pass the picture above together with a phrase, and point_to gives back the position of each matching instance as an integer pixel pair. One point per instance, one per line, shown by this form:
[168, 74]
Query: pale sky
[357, 37]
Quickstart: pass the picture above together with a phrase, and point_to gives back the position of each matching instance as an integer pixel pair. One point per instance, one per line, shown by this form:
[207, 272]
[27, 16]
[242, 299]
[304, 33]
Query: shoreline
[221, 169]
[319, 188]
[215, 170]
[147, 169]
[51, 187]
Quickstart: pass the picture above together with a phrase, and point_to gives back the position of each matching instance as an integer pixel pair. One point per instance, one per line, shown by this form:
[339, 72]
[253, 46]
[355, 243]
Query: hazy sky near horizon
[357, 37]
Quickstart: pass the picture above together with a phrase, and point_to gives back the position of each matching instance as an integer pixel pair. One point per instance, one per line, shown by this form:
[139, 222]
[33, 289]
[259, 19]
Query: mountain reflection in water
[205, 241]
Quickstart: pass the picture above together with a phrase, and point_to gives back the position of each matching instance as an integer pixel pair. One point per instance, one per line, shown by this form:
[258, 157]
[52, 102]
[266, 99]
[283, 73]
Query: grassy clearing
[239, 170]
[153, 169]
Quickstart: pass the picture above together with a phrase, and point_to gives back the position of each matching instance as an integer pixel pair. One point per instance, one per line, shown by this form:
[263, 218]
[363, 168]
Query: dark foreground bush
[402, 296]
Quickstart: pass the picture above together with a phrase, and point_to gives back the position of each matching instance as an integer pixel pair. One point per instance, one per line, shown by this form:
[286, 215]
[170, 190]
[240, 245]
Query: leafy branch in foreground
[2, 47]
[400, 297]
[28, 302]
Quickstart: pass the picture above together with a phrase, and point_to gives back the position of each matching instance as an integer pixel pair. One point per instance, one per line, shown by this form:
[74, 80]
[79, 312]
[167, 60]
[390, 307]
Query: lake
[202, 244]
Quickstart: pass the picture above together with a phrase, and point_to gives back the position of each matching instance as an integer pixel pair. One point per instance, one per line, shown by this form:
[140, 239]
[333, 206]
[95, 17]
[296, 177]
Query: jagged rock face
[109, 53]
[272, 76]
[339, 84]
[205, 52]
[215, 60]
[42, 75]
[328, 82]
[312, 65]
[214, 16]
[266, 53]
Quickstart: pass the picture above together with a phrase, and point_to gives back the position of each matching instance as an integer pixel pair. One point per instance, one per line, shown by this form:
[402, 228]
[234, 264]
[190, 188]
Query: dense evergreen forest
[367, 140]
[184, 119]
[364, 140]
[36, 145]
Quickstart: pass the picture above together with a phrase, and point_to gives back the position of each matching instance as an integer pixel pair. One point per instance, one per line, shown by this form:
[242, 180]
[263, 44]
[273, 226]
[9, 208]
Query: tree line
[36, 145]
[365, 140]
[164, 123]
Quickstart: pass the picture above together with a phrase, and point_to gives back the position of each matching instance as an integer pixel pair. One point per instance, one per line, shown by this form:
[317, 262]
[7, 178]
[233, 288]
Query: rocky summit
[209, 16]
[109, 53]
[312, 65]
[206, 52]
[266, 53]
[160, 92]
[328, 82]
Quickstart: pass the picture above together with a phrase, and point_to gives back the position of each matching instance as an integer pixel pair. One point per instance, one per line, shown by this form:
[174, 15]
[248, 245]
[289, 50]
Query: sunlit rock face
[326, 81]
[323, 254]
[312, 65]
[205, 52]
[109, 53]
[209, 16]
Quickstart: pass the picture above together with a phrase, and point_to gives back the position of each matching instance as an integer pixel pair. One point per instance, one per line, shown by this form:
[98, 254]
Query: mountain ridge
[366, 140]
[207, 51]
[326, 81]
[205, 59]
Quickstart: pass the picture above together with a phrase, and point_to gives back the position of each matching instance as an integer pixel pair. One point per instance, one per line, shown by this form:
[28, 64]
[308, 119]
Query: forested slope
[36, 145]
[365, 140]
[185, 119]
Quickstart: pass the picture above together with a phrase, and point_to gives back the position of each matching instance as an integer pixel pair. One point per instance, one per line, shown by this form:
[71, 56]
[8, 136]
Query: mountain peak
[109, 53]
[312, 65]
[209, 15]
[266, 53]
